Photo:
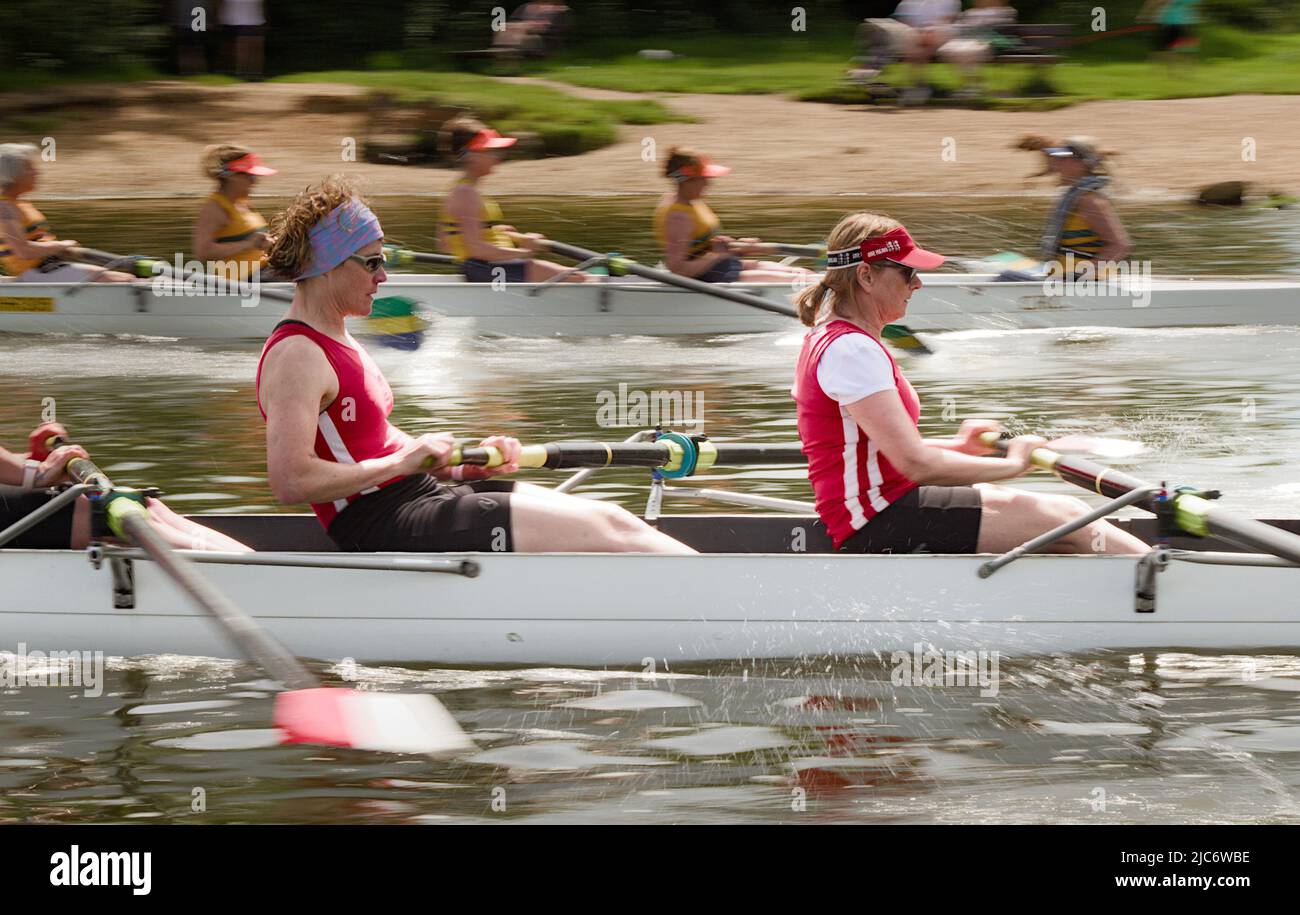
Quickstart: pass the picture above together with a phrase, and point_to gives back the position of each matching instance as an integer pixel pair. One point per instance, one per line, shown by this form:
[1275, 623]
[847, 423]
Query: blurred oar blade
[384, 722]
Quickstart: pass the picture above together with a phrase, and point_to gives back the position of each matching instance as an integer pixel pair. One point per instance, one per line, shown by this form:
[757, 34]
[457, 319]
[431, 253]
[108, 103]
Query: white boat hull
[948, 302]
[597, 609]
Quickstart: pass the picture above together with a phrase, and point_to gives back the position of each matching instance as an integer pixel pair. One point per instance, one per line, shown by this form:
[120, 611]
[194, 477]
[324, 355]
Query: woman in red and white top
[328, 438]
[879, 486]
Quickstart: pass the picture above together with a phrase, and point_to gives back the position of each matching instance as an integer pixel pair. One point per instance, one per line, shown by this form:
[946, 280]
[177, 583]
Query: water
[1164, 736]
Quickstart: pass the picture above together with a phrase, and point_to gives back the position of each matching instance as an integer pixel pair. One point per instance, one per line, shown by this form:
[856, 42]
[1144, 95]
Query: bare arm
[677, 238]
[297, 381]
[15, 237]
[882, 417]
[463, 207]
[1100, 214]
[204, 244]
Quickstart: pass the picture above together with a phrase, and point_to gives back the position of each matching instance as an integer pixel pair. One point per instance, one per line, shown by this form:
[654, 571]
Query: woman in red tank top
[328, 438]
[880, 487]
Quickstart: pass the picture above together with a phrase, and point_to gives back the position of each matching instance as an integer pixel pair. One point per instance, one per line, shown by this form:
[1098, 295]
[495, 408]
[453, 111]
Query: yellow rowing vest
[489, 213]
[1079, 238]
[36, 228]
[240, 224]
[704, 225]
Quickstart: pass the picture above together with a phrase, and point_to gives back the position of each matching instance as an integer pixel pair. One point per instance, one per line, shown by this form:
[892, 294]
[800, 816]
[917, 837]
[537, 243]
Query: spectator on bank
[915, 32]
[932, 24]
[532, 30]
[191, 20]
[1176, 21]
[244, 23]
[977, 41]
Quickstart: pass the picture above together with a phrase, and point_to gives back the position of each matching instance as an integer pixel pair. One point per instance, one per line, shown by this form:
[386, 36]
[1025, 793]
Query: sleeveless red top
[852, 481]
[355, 426]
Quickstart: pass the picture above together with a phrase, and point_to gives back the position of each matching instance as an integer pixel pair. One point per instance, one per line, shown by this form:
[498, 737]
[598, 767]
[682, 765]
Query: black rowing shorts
[421, 515]
[480, 271]
[928, 519]
[54, 533]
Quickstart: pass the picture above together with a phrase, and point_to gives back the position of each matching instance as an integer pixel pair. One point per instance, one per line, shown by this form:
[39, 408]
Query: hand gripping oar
[675, 455]
[1188, 509]
[306, 712]
[894, 333]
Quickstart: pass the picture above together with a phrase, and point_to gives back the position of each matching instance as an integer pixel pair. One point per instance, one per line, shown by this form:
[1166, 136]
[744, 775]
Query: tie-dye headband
[347, 229]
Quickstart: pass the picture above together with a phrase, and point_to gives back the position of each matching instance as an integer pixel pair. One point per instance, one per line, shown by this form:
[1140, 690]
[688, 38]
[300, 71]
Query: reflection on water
[1084, 739]
[1163, 737]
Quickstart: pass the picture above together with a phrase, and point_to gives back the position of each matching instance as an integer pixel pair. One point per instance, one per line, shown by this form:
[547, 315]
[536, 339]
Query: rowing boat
[764, 586]
[948, 302]
[761, 585]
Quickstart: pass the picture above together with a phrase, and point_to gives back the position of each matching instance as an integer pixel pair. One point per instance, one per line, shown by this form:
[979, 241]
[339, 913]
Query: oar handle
[668, 454]
[1045, 458]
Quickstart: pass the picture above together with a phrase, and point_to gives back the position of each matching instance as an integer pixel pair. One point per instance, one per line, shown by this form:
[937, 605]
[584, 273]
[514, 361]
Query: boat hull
[945, 303]
[625, 609]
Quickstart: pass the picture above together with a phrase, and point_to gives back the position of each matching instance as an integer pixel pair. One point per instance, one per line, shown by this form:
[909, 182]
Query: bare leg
[541, 271]
[545, 521]
[184, 534]
[1012, 516]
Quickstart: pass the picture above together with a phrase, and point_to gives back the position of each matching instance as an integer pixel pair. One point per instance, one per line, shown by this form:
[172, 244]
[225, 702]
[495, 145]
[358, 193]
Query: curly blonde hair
[849, 232]
[290, 254]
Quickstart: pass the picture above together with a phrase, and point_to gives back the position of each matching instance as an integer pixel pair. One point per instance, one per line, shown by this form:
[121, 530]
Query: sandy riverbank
[148, 145]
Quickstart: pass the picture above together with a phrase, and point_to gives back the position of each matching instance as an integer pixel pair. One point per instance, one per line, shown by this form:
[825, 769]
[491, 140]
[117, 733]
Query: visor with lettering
[896, 246]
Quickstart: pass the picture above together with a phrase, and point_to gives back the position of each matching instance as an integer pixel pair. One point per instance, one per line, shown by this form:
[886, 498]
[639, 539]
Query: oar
[306, 712]
[671, 454]
[1189, 509]
[666, 454]
[150, 267]
[898, 333]
[401, 257]
[778, 247]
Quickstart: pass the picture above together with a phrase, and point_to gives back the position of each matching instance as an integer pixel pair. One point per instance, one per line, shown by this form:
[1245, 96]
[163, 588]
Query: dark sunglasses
[909, 273]
[373, 262]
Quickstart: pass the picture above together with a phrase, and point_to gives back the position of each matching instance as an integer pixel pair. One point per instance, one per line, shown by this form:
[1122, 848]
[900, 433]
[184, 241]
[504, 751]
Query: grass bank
[811, 66]
[566, 125]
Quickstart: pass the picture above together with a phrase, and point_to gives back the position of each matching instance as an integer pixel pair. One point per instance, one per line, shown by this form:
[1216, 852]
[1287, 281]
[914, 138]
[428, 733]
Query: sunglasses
[909, 273]
[372, 262]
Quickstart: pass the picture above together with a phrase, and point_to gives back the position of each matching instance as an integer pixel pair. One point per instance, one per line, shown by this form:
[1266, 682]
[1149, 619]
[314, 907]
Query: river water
[1159, 736]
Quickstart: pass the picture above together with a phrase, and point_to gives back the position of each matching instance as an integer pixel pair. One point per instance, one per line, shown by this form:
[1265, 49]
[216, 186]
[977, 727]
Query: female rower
[879, 486]
[29, 251]
[24, 483]
[689, 231]
[1084, 231]
[229, 235]
[471, 226]
[329, 441]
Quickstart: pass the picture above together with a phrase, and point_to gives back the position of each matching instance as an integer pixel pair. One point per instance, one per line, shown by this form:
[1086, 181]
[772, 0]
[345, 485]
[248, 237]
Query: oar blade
[385, 722]
[901, 336]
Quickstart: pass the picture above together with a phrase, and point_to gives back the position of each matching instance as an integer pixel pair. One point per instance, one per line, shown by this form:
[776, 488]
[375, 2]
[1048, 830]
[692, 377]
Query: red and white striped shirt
[355, 426]
[851, 480]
